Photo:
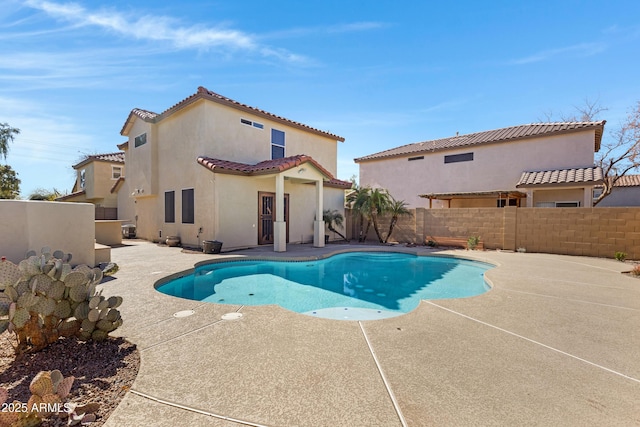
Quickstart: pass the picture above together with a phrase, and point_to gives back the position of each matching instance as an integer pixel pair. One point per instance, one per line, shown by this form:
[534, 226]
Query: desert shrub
[43, 298]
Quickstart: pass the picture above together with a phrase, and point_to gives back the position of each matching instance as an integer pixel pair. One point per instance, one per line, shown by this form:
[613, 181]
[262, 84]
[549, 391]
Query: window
[416, 158]
[558, 205]
[169, 206]
[188, 206]
[567, 204]
[277, 144]
[250, 123]
[83, 179]
[140, 140]
[501, 203]
[116, 172]
[455, 158]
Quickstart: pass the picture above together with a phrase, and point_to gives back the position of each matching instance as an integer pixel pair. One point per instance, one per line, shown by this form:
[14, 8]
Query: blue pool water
[354, 285]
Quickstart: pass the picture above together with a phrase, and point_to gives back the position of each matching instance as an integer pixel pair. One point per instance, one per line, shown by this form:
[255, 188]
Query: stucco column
[280, 226]
[588, 197]
[318, 224]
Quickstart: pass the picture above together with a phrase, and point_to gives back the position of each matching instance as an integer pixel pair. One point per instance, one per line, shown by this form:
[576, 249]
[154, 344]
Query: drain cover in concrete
[184, 313]
[231, 316]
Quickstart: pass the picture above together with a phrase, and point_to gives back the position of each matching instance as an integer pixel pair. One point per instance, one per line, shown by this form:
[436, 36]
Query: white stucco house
[533, 165]
[211, 168]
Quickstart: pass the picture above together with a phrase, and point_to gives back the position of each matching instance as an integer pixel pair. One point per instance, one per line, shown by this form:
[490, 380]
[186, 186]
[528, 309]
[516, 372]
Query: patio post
[318, 224]
[279, 226]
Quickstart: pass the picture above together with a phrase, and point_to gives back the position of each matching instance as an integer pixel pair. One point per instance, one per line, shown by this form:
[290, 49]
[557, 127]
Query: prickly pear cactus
[43, 298]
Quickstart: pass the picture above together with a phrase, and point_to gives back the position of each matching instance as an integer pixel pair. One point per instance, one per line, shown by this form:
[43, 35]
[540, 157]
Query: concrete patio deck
[555, 342]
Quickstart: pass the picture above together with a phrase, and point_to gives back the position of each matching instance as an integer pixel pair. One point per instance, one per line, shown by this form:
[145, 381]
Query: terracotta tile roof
[628, 181]
[269, 167]
[492, 136]
[108, 157]
[588, 175]
[204, 93]
[70, 196]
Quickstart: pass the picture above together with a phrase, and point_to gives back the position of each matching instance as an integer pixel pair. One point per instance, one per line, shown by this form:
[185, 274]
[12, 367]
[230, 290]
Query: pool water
[354, 285]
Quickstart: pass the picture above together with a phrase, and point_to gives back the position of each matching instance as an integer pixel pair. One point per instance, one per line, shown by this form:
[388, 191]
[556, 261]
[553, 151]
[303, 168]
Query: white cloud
[161, 29]
[578, 50]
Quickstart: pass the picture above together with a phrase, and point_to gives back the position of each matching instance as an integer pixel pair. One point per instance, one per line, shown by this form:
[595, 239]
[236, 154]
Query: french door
[267, 216]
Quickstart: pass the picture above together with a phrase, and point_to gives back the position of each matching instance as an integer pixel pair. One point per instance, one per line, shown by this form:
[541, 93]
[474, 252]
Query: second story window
[83, 179]
[140, 140]
[116, 172]
[277, 144]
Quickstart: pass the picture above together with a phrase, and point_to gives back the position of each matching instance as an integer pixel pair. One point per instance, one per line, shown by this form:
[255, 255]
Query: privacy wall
[599, 232]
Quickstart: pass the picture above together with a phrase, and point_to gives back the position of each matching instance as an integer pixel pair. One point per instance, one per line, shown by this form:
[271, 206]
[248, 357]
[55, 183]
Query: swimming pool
[353, 285]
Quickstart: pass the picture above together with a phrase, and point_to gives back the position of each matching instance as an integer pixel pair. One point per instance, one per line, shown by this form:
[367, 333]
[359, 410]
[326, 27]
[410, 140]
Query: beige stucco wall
[225, 206]
[108, 232]
[98, 183]
[31, 225]
[559, 195]
[495, 166]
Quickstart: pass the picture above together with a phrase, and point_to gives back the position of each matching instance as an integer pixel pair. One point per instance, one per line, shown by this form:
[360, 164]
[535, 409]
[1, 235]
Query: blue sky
[381, 74]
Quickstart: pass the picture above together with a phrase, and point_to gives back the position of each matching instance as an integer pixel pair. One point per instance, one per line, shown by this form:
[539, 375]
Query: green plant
[432, 243]
[472, 242]
[43, 298]
[621, 256]
[333, 219]
[49, 389]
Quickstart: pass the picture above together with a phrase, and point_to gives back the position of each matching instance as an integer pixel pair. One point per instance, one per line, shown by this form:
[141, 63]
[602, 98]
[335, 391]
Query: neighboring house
[211, 168]
[541, 164]
[97, 179]
[625, 192]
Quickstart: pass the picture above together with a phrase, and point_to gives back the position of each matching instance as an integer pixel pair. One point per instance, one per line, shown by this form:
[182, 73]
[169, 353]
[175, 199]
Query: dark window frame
[188, 206]
[140, 140]
[416, 158]
[456, 158]
[169, 207]
[277, 144]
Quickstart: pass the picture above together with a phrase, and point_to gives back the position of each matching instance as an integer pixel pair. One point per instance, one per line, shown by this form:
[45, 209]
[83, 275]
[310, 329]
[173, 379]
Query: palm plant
[396, 208]
[379, 204]
[356, 200]
[333, 219]
[370, 204]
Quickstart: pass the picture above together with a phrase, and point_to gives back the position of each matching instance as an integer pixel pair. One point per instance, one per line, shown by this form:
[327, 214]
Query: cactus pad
[98, 335]
[45, 306]
[41, 384]
[75, 278]
[43, 283]
[82, 311]
[62, 310]
[87, 325]
[114, 302]
[5, 302]
[94, 315]
[20, 317]
[64, 387]
[27, 300]
[56, 291]
[78, 293]
[94, 301]
[4, 325]
[9, 274]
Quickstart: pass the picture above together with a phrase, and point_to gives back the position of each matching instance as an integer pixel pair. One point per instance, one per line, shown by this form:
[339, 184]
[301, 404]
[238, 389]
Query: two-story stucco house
[533, 165]
[97, 180]
[211, 168]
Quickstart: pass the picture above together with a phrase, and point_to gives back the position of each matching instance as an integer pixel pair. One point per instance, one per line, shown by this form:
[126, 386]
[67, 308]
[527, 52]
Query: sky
[380, 74]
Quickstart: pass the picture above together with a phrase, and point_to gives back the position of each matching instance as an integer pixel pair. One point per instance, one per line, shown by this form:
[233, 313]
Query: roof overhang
[272, 167]
[495, 194]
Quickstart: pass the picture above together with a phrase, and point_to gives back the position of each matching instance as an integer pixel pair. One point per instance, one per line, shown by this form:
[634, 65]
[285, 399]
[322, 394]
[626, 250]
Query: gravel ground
[103, 372]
